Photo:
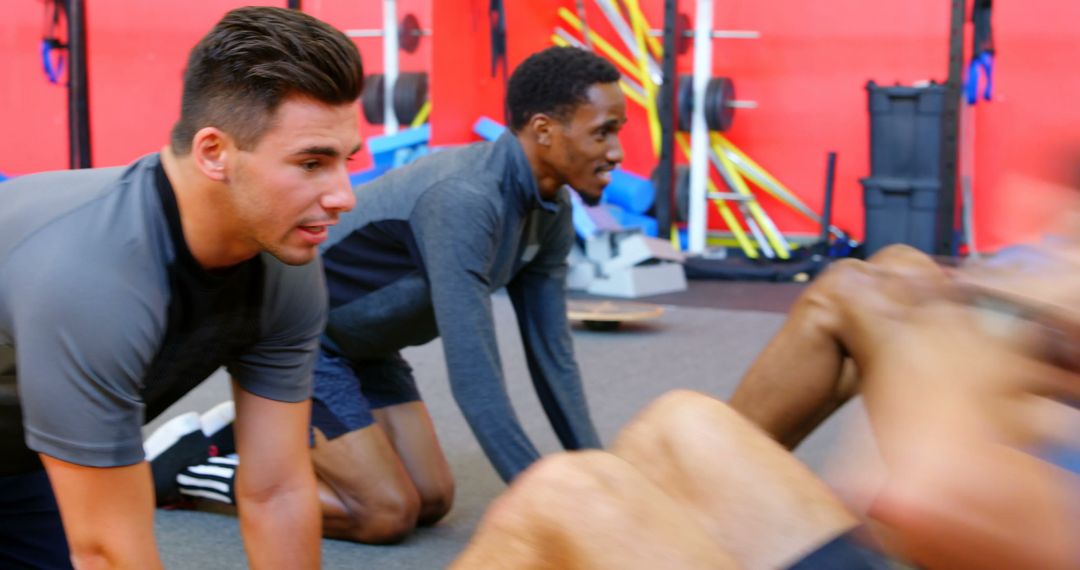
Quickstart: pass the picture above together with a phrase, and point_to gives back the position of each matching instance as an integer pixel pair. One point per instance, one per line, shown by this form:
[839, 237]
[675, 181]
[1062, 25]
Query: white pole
[390, 64]
[699, 132]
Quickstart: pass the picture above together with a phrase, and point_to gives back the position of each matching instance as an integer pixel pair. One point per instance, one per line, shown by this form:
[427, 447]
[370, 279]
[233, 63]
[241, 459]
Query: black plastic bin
[899, 210]
[906, 130]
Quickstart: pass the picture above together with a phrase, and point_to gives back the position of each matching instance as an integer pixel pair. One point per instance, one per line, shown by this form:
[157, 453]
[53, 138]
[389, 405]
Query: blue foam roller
[488, 129]
[364, 176]
[630, 192]
[385, 148]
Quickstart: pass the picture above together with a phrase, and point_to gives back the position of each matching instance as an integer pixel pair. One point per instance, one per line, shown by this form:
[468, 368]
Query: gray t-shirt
[113, 320]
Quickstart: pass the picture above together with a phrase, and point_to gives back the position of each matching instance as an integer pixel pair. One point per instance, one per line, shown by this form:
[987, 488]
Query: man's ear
[211, 149]
[542, 126]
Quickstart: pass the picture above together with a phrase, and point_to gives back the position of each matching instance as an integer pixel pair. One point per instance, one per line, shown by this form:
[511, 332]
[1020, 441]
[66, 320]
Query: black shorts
[345, 392]
[31, 532]
[845, 552]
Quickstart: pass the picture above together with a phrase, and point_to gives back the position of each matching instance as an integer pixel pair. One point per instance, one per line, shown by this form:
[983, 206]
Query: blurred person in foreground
[967, 377]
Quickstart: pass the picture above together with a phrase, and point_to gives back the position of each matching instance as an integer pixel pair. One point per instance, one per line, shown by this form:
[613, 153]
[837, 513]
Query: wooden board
[611, 311]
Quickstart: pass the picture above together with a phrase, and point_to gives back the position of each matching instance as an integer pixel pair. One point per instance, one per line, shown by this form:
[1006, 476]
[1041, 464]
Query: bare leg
[365, 491]
[759, 503]
[804, 374]
[588, 510]
[411, 432]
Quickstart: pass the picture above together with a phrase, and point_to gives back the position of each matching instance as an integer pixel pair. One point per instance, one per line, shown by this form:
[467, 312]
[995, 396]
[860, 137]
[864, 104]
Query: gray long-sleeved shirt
[419, 257]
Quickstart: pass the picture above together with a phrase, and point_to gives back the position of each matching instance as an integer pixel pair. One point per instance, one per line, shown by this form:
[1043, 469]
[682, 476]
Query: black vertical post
[293, 4]
[78, 90]
[826, 214]
[950, 123]
[666, 169]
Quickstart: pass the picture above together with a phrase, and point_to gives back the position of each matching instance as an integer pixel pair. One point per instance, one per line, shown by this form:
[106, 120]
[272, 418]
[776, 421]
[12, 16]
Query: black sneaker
[217, 424]
[178, 443]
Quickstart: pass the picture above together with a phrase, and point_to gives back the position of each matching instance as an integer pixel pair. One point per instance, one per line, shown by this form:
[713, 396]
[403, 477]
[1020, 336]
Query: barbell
[409, 33]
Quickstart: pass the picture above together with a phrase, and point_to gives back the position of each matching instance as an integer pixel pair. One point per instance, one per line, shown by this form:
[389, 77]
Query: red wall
[807, 74]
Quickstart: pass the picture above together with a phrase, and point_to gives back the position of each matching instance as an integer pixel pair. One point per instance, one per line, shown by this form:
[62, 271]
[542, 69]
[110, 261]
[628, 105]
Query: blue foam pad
[385, 149]
[364, 176]
[488, 129]
[629, 192]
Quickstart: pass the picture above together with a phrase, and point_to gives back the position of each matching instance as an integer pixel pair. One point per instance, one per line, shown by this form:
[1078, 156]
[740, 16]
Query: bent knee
[670, 421]
[672, 409]
[387, 520]
[823, 298]
[560, 487]
[900, 255]
[435, 502]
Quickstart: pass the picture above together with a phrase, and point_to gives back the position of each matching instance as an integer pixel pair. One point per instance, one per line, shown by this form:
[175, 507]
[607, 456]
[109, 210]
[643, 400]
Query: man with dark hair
[419, 259]
[123, 288]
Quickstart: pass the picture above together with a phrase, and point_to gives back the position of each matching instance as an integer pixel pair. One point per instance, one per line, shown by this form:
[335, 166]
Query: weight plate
[373, 101]
[684, 41]
[410, 93]
[719, 92]
[719, 113]
[409, 33]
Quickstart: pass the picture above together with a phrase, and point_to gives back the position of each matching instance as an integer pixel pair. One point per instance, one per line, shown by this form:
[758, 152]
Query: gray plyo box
[641, 281]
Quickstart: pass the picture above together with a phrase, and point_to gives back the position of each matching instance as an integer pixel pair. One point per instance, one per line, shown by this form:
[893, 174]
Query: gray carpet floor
[689, 347]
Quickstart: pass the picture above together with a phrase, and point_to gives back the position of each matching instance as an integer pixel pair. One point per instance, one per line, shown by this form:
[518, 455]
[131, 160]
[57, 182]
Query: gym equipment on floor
[618, 260]
[609, 315]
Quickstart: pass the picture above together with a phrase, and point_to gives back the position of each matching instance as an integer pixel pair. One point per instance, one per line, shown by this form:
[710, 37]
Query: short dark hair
[553, 82]
[255, 58]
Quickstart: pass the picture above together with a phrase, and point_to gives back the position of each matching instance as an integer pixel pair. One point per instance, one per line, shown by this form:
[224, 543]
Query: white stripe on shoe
[227, 460]
[186, 481]
[212, 470]
[207, 495]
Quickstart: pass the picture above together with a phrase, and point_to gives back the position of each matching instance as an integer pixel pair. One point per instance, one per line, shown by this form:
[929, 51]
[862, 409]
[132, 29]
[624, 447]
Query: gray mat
[702, 349]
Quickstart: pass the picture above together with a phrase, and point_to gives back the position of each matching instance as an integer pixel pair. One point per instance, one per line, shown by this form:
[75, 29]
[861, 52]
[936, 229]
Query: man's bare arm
[108, 514]
[276, 492]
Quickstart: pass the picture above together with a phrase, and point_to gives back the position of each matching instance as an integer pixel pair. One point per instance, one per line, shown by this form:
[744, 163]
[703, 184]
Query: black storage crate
[899, 210]
[906, 130]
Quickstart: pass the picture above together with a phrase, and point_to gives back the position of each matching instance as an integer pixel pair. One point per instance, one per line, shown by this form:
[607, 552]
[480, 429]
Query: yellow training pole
[641, 30]
[771, 233]
[725, 211]
[766, 181]
[422, 116]
[602, 45]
